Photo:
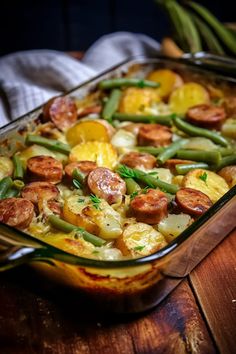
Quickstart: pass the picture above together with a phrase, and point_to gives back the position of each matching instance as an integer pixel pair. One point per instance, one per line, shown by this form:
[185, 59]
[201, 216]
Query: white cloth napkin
[28, 79]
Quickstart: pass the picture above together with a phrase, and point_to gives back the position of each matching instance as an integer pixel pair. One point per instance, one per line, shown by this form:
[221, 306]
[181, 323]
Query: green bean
[12, 192]
[161, 119]
[182, 169]
[132, 186]
[18, 167]
[226, 161]
[51, 144]
[18, 184]
[226, 151]
[64, 226]
[150, 149]
[5, 184]
[195, 131]
[155, 182]
[212, 157]
[127, 82]
[127, 172]
[171, 150]
[79, 176]
[111, 105]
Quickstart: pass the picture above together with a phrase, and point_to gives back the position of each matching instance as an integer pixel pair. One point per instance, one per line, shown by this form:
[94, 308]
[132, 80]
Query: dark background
[70, 25]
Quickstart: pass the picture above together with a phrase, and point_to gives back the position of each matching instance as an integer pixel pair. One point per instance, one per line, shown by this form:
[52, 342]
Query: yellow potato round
[168, 80]
[137, 100]
[6, 167]
[186, 96]
[208, 182]
[140, 239]
[104, 154]
[88, 130]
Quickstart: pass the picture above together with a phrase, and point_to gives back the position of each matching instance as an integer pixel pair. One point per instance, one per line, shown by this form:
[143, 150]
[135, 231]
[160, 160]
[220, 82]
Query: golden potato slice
[168, 80]
[138, 100]
[6, 167]
[229, 174]
[102, 221]
[208, 182]
[186, 96]
[178, 180]
[173, 225]
[104, 154]
[89, 130]
[140, 239]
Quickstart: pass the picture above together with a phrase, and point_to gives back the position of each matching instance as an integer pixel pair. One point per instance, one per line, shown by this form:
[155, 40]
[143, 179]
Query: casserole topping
[122, 172]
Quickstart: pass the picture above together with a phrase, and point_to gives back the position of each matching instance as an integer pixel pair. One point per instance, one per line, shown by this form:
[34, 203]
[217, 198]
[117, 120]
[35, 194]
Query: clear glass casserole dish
[128, 285]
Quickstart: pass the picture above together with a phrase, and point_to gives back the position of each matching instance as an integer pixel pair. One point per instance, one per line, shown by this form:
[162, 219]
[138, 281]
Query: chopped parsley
[127, 172]
[203, 177]
[80, 200]
[133, 195]
[95, 201]
[138, 248]
[76, 183]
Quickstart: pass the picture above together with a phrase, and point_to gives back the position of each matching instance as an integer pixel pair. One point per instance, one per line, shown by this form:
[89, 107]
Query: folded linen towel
[28, 79]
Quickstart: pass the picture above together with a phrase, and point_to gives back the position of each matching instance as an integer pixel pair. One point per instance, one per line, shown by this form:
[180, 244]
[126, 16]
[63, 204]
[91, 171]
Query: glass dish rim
[51, 252]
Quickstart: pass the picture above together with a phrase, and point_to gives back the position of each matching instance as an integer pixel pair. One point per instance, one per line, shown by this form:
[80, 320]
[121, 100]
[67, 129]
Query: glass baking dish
[125, 286]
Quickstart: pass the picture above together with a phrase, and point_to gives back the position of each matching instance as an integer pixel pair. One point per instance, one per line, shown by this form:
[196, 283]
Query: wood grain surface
[197, 317]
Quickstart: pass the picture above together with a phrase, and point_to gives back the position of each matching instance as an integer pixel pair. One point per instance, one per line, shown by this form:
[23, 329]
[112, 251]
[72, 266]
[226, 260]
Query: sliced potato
[36, 150]
[123, 139]
[104, 221]
[178, 180]
[163, 174]
[173, 225]
[168, 80]
[104, 154]
[6, 167]
[186, 96]
[208, 182]
[140, 239]
[229, 128]
[199, 143]
[89, 130]
[229, 174]
[138, 100]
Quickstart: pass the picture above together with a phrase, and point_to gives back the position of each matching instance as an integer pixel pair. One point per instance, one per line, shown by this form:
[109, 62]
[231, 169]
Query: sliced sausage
[154, 135]
[39, 190]
[55, 207]
[206, 115]
[16, 212]
[229, 174]
[62, 111]
[84, 166]
[149, 208]
[139, 159]
[44, 168]
[171, 163]
[192, 201]
[106, 184]
[95, 109]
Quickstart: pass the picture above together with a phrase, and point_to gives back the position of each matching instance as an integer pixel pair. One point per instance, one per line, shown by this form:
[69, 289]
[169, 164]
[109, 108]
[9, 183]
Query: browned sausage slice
[106, 184]
[55, 207]
[149, 208]
[84, 166]
[229, 174]
[44, 168]
[192, 201]
[139, 159]
[39, 190]
[171, 163]
[16, 212]
[62, 111]
[96, 109]
[206, 115]
[154, 135]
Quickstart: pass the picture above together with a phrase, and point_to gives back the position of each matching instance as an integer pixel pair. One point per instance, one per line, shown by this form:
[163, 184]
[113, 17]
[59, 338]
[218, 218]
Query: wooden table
[199, 316]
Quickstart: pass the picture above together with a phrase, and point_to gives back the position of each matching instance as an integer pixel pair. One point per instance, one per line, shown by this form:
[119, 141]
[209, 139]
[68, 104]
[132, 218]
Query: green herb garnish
[126, 172]
[95, 201]
[80, 200]
[76, 183]
[133, 195]
[203, 177]
[138, 248]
